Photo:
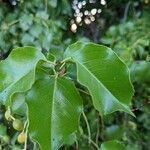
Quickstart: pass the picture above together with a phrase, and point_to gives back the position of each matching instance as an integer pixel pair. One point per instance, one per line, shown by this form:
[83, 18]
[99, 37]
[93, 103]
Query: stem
[146, 103]
[46, 5]
[65, 60]
[50, 62]
[10, 113]
[26, 132]
[63, 75]
[12, 118]
[76, 144]
[25, 126]
[83, 91]
[94, 144]
[55, 73]
[88, 127]
[102, 126]
[53, 67]
[34, 146]
[13, 22]
[97, 133]
[62, 65]
[126, 11]
[25, 144]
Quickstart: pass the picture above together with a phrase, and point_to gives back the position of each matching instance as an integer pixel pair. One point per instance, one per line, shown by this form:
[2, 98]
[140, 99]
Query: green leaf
[133, 146]
[53, 3]
[27, 39]
[71, 139]
[104, 74]
[140, 71]
[3, 130]
[54, 106]
[17, 72]
[42, 15]
[112, 145]
[25, 22]
[18, 105]
[114, 132]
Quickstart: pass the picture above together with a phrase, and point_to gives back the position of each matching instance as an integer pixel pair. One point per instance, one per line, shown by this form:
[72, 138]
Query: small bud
[132, 125]
[8, 115]
[18, 125]
[22, 138]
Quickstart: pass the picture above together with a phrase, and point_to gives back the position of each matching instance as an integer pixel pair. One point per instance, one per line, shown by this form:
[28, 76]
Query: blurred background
[51, 25]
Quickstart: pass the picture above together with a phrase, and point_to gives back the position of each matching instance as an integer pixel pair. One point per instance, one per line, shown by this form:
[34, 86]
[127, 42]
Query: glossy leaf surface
[17, 72]
[54, 107]
[104, 74]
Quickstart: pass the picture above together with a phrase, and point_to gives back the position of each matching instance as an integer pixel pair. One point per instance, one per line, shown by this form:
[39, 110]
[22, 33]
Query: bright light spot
[74, 7]
[103, 2]
[93, 11]
[146, 1]
[80, 5]
[92, 1]
[86, 12]
[99, 10]
[75, 2]
[78, 19]
[77, 11]
[14, 3]
[74, 27]
[87, 21]
[80, 14]
[92, 18]
[84, 3]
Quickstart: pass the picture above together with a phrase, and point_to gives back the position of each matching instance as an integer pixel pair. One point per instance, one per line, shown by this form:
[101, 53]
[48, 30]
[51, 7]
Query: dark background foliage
[52, 25]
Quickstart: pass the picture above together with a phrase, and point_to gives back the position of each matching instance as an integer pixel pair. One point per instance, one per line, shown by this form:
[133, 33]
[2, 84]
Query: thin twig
[25, 144]
[50, 62]
[34, 146]
[76, 145]
[83, 91]
[126, 11]
[26, 133]
[62, 65]
[88, 127]
[98, 132]
[91, 141]
[46, 5]
[66, 60]
[135, 109]
[102, 126]
[13, 22]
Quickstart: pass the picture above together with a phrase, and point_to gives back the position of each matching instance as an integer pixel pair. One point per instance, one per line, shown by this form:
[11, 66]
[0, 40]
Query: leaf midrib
[100, 83]
[54, 90]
